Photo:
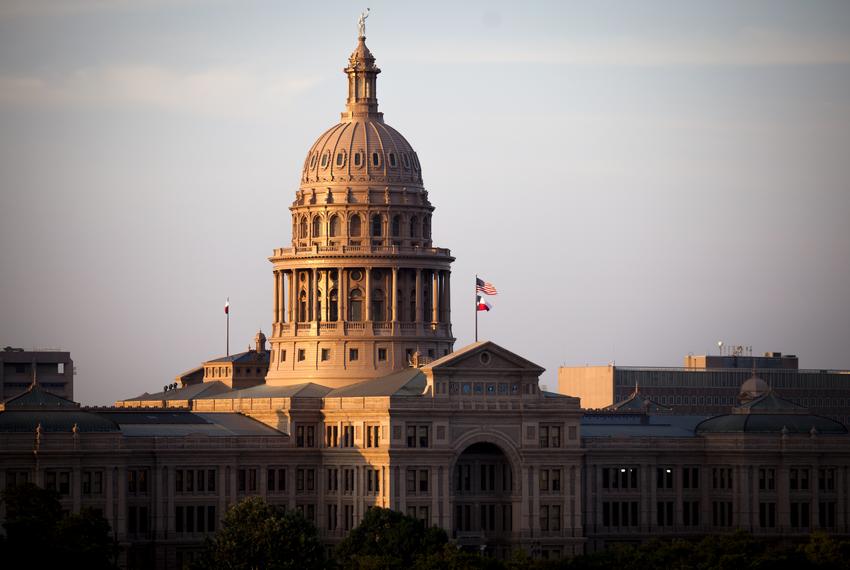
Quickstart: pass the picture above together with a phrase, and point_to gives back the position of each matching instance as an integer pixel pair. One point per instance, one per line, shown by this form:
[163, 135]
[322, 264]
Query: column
[418, 295]
[76, 483]
[276, 304]
[342, 312]
[368, 272]
[326, 297]
[290, 280]
[448, 297]
[314, 301]
[435, 297]
[121, 530]
[395, 295]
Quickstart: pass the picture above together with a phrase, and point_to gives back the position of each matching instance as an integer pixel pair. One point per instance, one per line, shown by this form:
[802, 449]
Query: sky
[638, 179]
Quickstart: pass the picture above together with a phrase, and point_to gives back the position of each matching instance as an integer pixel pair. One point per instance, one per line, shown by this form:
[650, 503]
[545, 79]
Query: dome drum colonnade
[362, 288]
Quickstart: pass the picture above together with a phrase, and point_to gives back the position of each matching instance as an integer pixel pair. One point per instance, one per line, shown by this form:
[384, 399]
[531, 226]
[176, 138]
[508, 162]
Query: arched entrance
[483, 497]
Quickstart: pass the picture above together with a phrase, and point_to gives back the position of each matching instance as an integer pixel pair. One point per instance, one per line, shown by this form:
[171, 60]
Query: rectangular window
[767, 515]
[347, 436]
[348, 480]
[417, 435]
[826, 479]
[721, 478]
[276, 480]
[373, 433]
[137, 481]
[826, 514]
[332, 514]
[799, 515]
[690, 513]
[373, 481]
[302, 355]
[331, 436]
[721, 513]
[799, 479]
[282, 355]
[326, 354]
[382, 354]
[353, 355]
[550, 435]
[690, 477]
[664, 478]
[664, 513]
[333, 479]
[767, 479]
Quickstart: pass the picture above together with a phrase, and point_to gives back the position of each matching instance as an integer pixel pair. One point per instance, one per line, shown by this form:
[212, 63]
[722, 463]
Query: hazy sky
[638, 179]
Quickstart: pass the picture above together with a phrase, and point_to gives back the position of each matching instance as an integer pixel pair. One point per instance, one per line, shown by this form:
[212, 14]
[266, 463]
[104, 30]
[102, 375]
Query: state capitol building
[358, 398]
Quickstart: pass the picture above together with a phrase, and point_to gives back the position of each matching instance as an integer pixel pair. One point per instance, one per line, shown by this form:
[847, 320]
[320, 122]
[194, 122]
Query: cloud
[749, 47]
[221, 92]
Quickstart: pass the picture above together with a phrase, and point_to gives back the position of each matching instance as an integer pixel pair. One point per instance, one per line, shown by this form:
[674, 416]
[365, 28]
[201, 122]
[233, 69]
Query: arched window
[317, 226]
[334, 306]
[426, 227]
[376, 159]
[319, 296]
[302, 307]
[414, 227]
[303, 227]
[391, 157]
[354, 226]
[376, 225]
[378, 305]
[334, 229]
[396, 226]
[355, 305]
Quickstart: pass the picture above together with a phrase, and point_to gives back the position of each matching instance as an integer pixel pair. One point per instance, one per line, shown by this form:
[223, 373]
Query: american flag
[482, 286]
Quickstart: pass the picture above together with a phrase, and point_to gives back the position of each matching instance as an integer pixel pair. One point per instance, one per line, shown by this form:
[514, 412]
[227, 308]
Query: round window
[356, 275]
[484, 358]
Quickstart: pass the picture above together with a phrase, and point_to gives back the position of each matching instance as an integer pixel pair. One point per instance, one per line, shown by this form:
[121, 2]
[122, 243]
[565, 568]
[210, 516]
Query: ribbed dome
[362, 150]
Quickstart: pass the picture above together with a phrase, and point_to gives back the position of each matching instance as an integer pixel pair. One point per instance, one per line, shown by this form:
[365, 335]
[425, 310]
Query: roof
[185, 393]
[305, 390]
[514, 359]
[770, 402]
[772, 423]
[638, 425]
[55, 420]
[407, 382]
[247, 357]
[179, 423]
[639, 402]
[38, 398]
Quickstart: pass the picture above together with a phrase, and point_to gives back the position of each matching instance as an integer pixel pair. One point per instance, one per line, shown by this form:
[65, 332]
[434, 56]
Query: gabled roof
[38, 398]
[454, 358]
[305, 390]
[247, 357]
[637, 402]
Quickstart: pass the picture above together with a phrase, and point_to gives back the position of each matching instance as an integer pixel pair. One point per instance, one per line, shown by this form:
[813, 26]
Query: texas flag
[227, 306]
[481, 304]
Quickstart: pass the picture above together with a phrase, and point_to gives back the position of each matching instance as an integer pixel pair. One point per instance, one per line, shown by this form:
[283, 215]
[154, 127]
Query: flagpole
[228, 326]
[475, 304]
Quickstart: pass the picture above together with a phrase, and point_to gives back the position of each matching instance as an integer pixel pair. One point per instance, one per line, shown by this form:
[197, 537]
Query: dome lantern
[362, 81]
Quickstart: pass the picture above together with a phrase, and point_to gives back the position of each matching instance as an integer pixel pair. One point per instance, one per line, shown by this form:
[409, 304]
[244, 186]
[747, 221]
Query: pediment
[485, 356]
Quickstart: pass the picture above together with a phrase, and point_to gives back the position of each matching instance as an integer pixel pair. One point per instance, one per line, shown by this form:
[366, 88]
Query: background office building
[708, 385]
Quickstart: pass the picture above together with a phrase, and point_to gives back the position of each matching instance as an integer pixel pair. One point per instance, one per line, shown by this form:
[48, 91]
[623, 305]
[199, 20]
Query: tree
[389, 539]
[39, 535]
[254, 534]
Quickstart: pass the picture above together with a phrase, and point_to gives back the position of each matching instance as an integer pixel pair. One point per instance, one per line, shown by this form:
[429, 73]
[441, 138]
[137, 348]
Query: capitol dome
[362, 147]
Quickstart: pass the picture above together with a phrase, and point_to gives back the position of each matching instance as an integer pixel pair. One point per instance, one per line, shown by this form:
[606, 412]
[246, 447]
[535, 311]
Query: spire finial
[361, 24]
